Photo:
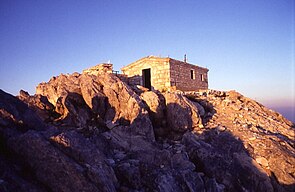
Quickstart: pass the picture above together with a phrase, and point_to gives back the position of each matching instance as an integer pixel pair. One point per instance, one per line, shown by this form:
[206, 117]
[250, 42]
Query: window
[192, 74]
[202, 77]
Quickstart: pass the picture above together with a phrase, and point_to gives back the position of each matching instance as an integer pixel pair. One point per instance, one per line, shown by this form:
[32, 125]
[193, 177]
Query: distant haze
[288, 112]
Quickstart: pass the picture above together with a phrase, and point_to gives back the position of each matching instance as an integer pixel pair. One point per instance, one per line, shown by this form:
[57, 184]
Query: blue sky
[248, 46]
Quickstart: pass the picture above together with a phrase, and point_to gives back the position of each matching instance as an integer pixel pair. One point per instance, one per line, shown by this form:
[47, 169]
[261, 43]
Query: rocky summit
[84, 132]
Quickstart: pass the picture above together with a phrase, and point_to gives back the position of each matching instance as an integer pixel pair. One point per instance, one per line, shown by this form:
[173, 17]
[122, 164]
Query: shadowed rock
[182, 114]
[50, 165]
[97, 134]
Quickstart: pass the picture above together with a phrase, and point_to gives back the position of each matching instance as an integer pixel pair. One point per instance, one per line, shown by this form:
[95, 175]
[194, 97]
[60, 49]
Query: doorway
[146, 78]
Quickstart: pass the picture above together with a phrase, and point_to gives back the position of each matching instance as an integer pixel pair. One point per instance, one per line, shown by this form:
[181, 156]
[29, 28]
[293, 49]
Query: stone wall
[187, 77]
[168, 74]
[160, 75]
[100, 68]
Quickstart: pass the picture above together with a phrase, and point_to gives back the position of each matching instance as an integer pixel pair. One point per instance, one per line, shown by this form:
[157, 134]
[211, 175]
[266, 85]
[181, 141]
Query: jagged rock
[74, 111]
[156, 107]
[221, 128]
[193, 181]
[64, 92]
[15, 112]
[12, 178]
[230, 169]
[125, 106]
[262, 161]
[178, 181]
[264, 133]
[103, 140]
[166, 183]
[129, 173]
[58, 87]
[182, 114]
[40, 104]
[258, 179]
[200, 108]
[51, 166]
[105, 95]
[213, 186]
[91, 91]
[138, 89]
[181, 161]
[83, 151]
[110, 124]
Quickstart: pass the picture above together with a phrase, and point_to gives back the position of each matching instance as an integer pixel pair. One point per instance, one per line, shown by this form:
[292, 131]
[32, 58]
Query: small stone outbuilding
[100, 68]
[158, 73]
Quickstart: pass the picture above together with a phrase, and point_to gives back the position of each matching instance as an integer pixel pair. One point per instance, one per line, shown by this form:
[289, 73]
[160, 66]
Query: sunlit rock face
[94, 132]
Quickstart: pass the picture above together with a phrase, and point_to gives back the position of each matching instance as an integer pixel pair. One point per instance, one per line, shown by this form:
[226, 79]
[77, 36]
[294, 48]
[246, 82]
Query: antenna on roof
[185, 58]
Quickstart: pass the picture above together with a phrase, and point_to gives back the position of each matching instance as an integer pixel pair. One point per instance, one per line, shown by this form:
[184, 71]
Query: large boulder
[17, 113]
[81, 98]
[125, 106]
[92, 93]
[40, 104]
[223, 157]
[51, 166]
[156, 107]
[182, 114]
[12, 177]
[59, 86]
[64, 93]
[84, 152]
[74, 110]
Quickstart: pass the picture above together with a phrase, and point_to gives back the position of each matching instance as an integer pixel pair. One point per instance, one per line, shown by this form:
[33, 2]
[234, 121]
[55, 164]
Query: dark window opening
[192, 74]
[146, 78]
[202, 77]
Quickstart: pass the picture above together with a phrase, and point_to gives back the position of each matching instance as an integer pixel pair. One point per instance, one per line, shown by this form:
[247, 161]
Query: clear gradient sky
[248, 45]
